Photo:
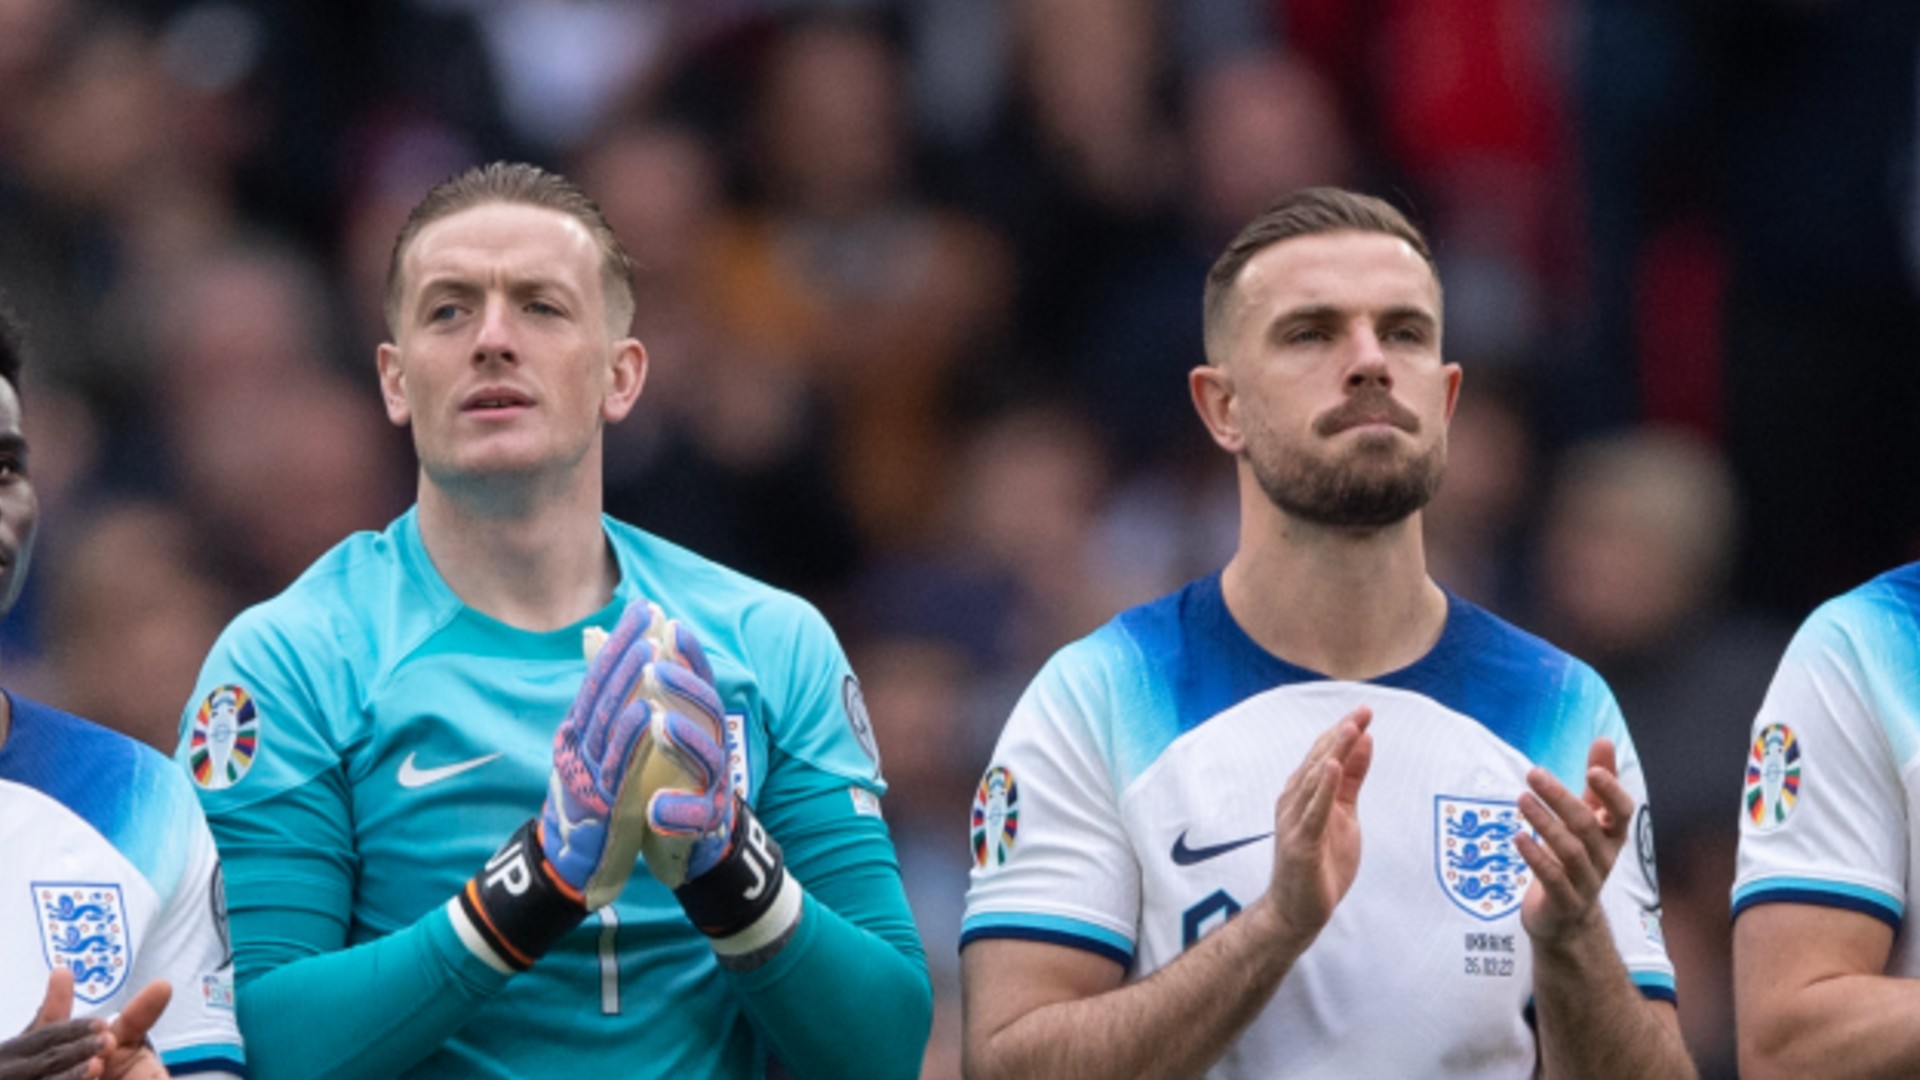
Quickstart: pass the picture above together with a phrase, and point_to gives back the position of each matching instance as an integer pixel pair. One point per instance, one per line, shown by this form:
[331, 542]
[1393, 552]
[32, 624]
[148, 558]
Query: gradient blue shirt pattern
[1146, 759]
[91, 812]
[1826, 817]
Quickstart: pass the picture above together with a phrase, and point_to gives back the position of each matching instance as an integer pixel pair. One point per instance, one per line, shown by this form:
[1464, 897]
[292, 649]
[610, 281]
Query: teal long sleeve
[849, 994]
[400, 997]
[310, 1005]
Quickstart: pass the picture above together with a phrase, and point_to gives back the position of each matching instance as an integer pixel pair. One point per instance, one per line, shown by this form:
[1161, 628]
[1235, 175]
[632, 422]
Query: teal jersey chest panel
[435, 723]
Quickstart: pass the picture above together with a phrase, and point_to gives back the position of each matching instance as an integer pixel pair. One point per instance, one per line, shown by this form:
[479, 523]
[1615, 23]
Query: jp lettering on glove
[577, 855]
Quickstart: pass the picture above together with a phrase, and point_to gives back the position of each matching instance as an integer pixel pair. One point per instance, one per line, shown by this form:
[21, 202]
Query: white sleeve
[1631, 895]
[1823, 812]
[188, 946]
[1052, 861]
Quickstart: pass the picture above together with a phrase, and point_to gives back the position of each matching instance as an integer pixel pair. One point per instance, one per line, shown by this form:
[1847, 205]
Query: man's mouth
[1370, 410]
[495, 399]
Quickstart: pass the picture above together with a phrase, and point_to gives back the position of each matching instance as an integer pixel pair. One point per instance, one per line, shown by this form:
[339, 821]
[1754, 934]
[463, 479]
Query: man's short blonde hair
[527, 185]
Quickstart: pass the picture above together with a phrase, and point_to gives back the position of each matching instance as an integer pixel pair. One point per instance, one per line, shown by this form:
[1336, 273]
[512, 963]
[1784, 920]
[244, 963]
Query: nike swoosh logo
[1188, 856]
[412, 776]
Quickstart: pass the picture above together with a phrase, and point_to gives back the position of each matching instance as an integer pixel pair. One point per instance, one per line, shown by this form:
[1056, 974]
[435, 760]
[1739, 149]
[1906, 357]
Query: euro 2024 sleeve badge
[224, 739]
[996, 818]
[83, 928]
[1481, 870]
[1773, 777]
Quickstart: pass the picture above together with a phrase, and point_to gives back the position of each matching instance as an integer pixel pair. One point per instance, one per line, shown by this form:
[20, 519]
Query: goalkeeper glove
[706, 844]
[577, 855]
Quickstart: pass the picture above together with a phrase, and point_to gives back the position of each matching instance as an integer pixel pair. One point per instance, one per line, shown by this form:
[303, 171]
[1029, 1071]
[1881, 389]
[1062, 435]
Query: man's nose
[495, 340]
[1369, 361]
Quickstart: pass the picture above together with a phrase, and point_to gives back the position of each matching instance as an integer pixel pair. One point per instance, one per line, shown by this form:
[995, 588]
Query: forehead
[1349, 271]
[505, 240]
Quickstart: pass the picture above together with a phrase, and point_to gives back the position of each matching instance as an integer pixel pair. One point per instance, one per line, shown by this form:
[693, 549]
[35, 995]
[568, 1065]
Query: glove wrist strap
[763, 940]
[514, 909]
[743, 886]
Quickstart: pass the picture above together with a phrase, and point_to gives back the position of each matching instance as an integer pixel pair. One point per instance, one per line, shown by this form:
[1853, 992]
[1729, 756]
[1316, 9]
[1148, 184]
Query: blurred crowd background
[920, 281]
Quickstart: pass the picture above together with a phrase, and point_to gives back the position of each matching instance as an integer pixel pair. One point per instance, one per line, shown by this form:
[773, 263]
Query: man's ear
[629, 377]
[1215, 401]
[393, 384]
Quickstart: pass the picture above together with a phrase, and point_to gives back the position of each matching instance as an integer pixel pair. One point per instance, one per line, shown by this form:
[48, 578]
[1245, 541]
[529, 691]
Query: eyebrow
[1323, 313]
[444, 284]
[463, 285]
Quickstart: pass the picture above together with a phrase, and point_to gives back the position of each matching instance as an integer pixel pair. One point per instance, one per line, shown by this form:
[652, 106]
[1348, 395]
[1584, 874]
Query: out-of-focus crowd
[920, 281]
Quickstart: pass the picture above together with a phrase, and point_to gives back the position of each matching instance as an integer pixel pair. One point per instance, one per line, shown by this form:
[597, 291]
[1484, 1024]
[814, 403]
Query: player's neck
[1348, 604]
[544, 565]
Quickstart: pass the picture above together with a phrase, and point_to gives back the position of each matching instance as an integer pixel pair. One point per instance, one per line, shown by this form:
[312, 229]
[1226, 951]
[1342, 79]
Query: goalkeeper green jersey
[363, 742]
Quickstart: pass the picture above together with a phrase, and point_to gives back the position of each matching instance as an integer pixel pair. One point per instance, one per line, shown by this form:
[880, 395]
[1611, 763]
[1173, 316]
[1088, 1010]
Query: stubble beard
[1359, 492]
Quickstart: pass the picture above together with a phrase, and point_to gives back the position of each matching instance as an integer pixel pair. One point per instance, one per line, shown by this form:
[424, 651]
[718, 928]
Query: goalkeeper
[456, 848]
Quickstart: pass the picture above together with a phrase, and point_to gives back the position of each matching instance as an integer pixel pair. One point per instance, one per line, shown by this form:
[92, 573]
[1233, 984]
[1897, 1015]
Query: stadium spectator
[842, 272]
[135, 572]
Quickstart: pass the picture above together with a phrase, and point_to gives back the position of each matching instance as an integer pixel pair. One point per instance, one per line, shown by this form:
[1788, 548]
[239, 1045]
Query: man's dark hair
[1307, 212]
[13, 348]
[526, 185]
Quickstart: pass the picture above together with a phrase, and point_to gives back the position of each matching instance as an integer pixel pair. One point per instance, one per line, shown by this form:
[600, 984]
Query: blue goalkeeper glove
[577, 855]
[703, 840]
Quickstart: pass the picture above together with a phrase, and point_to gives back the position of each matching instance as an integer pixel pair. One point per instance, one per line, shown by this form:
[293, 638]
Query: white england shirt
[110, 871]
[1831, 773]
[1128, 811]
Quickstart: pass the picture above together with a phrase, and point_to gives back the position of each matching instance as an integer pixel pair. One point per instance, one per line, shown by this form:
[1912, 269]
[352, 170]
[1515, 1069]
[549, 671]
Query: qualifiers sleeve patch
[856, 705]
[996, 817]
[225, 738]
[1773, 777]
[1643, 849]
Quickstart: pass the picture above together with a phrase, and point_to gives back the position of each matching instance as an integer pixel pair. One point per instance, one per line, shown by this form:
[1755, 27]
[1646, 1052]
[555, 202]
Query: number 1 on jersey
[609, 961]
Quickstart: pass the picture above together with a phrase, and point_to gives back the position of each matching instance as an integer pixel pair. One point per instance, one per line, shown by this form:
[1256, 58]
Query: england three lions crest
[83, 928]
[1474, 855]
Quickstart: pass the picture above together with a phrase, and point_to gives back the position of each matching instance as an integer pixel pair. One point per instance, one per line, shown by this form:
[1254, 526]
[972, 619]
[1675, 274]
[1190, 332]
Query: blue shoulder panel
[1186, 660]
[130, 793]
[1880, 623]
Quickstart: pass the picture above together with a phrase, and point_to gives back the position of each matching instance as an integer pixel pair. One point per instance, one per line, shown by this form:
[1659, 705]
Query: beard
[1368, 490]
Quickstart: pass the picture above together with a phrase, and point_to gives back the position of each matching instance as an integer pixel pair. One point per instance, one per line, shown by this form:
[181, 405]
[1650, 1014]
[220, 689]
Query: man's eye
[541, 307]
[443, 312]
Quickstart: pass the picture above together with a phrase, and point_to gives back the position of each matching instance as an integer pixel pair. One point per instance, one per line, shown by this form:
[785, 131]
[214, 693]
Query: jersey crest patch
[1474, 855]
[225, 738]
[996, 817]
[83, 928]
[1773, 777]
